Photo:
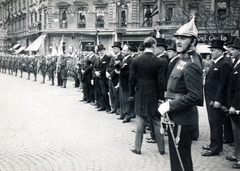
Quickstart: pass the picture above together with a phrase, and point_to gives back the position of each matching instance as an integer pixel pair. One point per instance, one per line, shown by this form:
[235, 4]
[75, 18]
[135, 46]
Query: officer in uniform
[184, 93]
[51, 65]
[29, 66]
[21, 66]
[35, 67]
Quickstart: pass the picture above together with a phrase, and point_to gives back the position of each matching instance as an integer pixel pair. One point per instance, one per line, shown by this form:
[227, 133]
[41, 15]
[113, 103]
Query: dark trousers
[228, 133]
[236, 134]
[59, 78]
[103, 92]
[184, 148]
[114, 96]
[215, 117]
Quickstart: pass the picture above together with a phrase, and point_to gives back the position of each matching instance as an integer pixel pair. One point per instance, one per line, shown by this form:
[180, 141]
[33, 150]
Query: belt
[169, 95]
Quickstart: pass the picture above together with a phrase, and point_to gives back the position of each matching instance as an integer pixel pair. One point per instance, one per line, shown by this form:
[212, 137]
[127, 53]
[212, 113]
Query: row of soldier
[37, 64]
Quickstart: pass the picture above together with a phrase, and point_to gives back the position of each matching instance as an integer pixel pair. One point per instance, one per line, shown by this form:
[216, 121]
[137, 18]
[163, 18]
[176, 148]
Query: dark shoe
[236, 166]
[151, 141]
[83, 100]
[101, 109]
[209, 153]
[162, 152]
[226, 141]
[108, 110]
[87, 101]
[120, 118]
[206, 147]
[134, 130]
[231, 158]
[113, 111]
[135, 151]
[126, 120]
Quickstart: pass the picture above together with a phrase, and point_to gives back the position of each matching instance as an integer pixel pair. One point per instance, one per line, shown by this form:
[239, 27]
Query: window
[81, 17]
[35, 15]
[221, 10]
[99, 18]
[123, 18]
[40, 16]
[63, 18]
[169, 12]
[147, 15]
[19, 5]
[31, 18]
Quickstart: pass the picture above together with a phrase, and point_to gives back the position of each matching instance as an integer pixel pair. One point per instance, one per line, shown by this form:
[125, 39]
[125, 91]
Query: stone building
[39, 25]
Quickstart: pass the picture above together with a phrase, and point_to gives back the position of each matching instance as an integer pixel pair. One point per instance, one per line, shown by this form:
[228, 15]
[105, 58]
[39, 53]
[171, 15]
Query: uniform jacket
[234, 91]
[185, 82]
[147, 83]
[216, 81]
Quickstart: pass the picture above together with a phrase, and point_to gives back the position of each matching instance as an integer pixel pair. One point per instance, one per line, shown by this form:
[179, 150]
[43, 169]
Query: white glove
[164, 107]
[107, 74]
[92, 82]
[117, 71]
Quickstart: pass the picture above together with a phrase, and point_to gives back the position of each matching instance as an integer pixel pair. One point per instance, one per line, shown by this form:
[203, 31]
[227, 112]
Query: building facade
[81, 22]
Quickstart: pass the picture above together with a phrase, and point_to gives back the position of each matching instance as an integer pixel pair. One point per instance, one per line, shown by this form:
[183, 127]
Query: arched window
[63, 18]
[81, 17]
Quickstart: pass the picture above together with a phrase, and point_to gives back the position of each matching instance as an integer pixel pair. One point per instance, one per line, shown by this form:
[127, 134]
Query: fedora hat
[189, 29]
[117, 44]
[217, 44]
[161, 42]
[231, 40]
[100, 47]
[236, 43]
[171, 45]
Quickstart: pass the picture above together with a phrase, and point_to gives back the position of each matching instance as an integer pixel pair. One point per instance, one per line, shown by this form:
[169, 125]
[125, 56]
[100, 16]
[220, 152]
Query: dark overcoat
[234, 91]
[147, 83]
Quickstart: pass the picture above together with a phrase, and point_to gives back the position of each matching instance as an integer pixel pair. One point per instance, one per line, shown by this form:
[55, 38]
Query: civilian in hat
[216, 83]
[233, 95]
[183, 94]
[160, 51]
[113, 78]
[140, 48]
[84, 63]
[146, 89]
[100, 74]
[88, 75]
[228, 46]
[126, 107]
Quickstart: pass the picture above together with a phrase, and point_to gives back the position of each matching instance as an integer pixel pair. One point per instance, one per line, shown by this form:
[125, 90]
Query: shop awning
[19, 50]
[15, 47]
[36, 44]
[203, 48]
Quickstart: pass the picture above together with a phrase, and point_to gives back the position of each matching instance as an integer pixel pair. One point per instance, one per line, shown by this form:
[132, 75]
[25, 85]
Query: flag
[155, 11]
[97, 37]
[60, 52]
[54, 48]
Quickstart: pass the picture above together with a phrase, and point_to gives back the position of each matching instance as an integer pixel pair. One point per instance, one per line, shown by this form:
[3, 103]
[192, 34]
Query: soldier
[51, 65]
[28, 62]
[21, 64]
[35, 67]
[184, 93]
[43, 68]
[63, 71]
[15, 65]
[4, 65]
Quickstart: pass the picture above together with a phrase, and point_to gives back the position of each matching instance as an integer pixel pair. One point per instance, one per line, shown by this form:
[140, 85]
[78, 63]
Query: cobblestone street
[46, 128]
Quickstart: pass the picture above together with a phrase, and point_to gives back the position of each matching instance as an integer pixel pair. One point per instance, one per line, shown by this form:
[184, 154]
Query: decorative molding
[63, 5]
[79, 3]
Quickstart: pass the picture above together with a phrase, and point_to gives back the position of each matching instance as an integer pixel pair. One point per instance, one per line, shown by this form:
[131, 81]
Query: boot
[64, 83]
[35, 77]
[43, 82]
[28, 76]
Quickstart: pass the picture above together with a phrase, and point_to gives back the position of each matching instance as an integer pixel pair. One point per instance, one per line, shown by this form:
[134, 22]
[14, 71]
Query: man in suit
[216, 83]
[100, 73]
[87, 75]
[146, 89]
[113, 78]
[233, 94]
[184, 93]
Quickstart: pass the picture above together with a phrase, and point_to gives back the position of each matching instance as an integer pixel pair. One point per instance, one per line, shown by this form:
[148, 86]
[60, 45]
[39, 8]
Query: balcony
[63, 24]
[100, 25]
[81, 25]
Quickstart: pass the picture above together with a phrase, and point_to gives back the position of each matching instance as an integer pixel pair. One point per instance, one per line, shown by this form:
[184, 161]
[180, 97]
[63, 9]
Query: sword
[225, 109]
[176, 140]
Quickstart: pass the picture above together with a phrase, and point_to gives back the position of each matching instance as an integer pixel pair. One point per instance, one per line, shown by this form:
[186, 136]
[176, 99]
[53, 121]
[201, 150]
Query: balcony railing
[100, 25]
[63, 24]
[81, 25]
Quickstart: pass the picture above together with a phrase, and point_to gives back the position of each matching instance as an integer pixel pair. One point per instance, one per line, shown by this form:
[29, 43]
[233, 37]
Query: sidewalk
[46, 128]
